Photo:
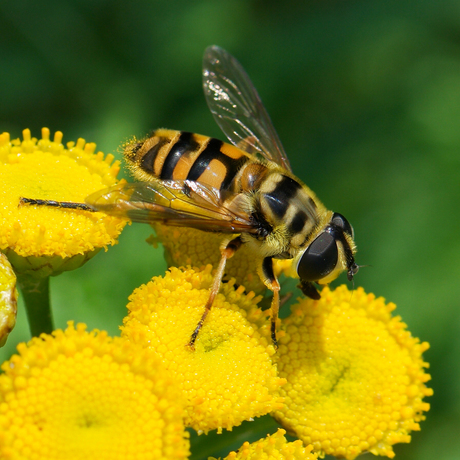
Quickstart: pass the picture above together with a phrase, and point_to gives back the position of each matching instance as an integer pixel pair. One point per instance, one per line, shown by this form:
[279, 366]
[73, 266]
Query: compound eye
[319, 259]
[340, 221]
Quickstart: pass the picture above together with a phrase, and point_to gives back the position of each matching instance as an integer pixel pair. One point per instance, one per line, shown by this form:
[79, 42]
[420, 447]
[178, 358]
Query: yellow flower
[229, 377]
[8, 299]
[355, 375]
[40, 240]
[79, 395]
[187, 246]
[274, 447]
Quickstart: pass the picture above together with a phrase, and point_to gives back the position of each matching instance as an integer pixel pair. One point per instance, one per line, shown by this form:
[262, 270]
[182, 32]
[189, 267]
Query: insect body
[246, 191]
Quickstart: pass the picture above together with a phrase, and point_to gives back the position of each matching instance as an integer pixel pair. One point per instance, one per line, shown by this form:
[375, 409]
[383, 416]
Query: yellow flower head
[274, 447]
[187, 246]
[355, 375]
[8, 299]
[79, 395]
[229, 377]
[41, 240]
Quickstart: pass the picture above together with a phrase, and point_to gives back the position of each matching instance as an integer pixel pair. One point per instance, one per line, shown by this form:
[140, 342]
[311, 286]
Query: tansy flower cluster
[230, 376]
[355, 375]
[43, 241]
[347, 377]
[73, 393]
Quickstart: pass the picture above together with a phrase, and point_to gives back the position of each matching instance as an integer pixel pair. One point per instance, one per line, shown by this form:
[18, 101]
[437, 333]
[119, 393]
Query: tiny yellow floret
[273, 447]
[41, 240]
[82, 395]
[8, 299]
[230, 376]
[356, 377]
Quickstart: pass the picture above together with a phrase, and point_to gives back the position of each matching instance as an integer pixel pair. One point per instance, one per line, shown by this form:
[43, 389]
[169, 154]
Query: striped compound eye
[319, 259]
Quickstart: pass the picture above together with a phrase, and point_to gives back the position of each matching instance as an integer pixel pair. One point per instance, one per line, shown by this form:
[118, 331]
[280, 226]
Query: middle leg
[227, 252]
[270, 280]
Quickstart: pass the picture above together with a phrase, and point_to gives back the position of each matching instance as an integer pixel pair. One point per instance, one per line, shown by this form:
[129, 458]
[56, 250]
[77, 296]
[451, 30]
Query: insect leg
[272, 283]
[56, 204]
[309, 290]
[227, 252]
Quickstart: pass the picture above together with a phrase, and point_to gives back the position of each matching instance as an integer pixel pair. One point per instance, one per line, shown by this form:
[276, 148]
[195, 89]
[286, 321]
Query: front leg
[269, 279]
[228, 250]
[308, 288]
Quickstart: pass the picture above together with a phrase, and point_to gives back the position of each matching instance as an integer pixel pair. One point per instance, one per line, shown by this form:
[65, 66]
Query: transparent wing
[177, 203]
[237, 107]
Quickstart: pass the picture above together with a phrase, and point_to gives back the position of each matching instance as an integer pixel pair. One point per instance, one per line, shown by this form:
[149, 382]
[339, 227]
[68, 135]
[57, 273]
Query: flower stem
[36, 295]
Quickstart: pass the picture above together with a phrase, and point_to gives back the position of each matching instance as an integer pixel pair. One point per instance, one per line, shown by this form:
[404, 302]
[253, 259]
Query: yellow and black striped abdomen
[180, 155]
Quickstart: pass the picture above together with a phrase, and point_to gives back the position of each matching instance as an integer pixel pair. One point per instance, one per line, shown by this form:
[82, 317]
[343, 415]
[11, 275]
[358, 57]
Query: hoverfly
[246, 191]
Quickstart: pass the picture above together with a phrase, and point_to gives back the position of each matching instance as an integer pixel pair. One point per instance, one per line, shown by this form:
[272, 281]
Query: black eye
[319, 259]
[340, 221]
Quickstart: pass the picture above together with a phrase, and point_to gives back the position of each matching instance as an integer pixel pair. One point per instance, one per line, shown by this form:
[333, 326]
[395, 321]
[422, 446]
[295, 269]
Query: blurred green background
[365, 96]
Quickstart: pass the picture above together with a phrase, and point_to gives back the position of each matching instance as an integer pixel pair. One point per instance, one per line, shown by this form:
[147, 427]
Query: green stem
[36, 295]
